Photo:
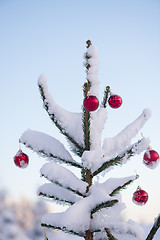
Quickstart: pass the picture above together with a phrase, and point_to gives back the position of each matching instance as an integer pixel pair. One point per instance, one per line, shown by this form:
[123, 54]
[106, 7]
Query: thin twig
[154, 229]
[109, 235]
[115, 191]
[104, 205]
[64, 229]
[105, 98]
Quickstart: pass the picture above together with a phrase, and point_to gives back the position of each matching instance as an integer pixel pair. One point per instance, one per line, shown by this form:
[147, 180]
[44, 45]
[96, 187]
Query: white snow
[52, 189]
[92, 158]
[70, 122]
[58, 235]
[122, 140]
[98, 120]
[57, 173]
[41, 142]
[79, 213]
[93, 70]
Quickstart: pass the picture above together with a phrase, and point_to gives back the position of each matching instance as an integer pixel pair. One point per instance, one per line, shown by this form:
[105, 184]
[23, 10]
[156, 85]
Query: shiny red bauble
[91, 103]
[140, 197]
[115, 101]
[151, 158]
[21, 159]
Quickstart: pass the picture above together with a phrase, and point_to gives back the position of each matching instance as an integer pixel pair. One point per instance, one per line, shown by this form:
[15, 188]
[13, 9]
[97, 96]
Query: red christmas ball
[115, 101]
[91, 103]
[140, 197]
[151, 158]
[21, 159]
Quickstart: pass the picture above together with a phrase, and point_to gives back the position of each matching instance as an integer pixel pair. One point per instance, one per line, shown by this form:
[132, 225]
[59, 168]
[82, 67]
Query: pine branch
[55, 198]
[115, 191]
[105, 98]
[115, 161]
[118, 159]
[78, 149]
[64, 229]
[68, 188]
[57, 193]
[154, 229]
[109, 235]
[104, 205]
[50, 155]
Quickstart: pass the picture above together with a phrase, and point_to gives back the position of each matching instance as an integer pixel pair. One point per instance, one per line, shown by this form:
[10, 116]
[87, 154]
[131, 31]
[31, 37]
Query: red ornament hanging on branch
[21, 159]
[140, 197]
[151, 158]
[91, 103]
[115, 101]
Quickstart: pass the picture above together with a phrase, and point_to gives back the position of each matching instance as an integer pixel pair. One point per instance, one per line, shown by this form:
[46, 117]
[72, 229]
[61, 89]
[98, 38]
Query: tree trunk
[89, 235]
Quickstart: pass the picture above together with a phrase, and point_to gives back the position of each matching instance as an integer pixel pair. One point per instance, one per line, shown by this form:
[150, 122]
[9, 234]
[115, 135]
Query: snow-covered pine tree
[94, 210]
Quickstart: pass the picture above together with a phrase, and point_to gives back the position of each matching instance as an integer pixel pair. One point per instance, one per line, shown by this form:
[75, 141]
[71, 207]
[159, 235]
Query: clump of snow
[113, 145]
[58, 235]
[58, 174]
[92, 158]
[70, 122]
[51, 189]
[141, 145]
[98, 120]
[93, 70]
[43, 143]
[79, 213]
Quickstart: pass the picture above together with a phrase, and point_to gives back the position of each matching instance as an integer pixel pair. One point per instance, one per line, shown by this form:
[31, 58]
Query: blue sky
[49, 37]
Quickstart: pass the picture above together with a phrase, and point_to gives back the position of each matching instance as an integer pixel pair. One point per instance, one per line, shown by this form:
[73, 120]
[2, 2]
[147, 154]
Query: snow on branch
[64, 229]
[123, 139]
[113, 185]
[59, 235]
[69, 124]
[123, 185]
[47, 146]
[80, 213]
[92, 67]
[136, 148]
[64, 178]
[79, 219]
[106, 204]
[98, 120]
[57, 193]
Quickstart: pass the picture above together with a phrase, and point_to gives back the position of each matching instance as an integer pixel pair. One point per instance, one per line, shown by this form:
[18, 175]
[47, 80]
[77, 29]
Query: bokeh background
[49, 37]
